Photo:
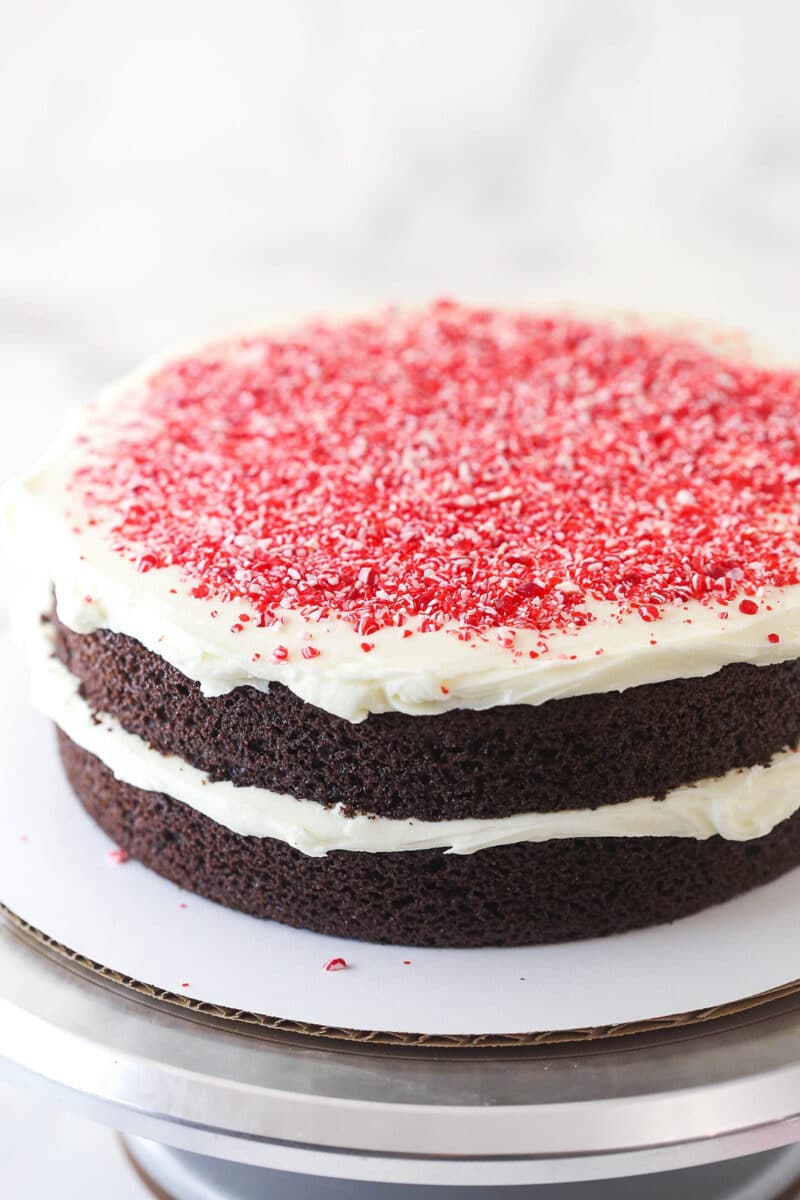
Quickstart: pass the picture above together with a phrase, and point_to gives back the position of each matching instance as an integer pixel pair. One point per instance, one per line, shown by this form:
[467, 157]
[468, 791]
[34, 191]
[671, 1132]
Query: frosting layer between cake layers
[742, 805]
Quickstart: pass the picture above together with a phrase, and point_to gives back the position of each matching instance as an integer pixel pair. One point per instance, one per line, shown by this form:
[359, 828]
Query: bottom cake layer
[520, 894]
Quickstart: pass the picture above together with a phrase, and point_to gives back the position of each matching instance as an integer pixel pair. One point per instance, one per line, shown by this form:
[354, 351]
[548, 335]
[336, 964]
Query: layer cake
[454, 627]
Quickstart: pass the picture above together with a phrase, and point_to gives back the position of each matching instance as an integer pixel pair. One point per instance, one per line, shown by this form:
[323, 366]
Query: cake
[456, 627]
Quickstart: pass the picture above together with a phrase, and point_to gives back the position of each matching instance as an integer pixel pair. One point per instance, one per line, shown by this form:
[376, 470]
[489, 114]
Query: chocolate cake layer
[509, 895]
[581, 752]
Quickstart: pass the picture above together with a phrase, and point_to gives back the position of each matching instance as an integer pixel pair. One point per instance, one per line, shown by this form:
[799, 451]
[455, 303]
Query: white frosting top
[98, 589]
[741, 805]
[426, 674]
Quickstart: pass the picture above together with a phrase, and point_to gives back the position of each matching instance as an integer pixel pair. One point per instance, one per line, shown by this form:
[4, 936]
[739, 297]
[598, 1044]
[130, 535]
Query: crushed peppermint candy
[336, 964]
[117, 857]
[749, 607]
[460, 467]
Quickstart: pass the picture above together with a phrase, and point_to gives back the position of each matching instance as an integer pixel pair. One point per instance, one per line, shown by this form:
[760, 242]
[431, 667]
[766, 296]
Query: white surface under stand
[228, 1112]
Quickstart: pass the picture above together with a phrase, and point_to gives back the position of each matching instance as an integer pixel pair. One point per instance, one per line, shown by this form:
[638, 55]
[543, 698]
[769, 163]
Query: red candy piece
[492, 470]
[335, 964]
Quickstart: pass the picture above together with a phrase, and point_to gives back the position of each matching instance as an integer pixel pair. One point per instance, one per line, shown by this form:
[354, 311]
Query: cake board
[61, 877]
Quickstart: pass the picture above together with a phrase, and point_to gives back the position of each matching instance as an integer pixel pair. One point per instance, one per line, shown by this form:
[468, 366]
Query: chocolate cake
[458, 627]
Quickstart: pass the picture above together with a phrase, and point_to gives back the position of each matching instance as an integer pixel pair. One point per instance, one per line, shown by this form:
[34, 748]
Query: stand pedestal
[178, 1175]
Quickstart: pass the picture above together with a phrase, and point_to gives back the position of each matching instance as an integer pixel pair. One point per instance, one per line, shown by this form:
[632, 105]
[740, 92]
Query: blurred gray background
[170, 169]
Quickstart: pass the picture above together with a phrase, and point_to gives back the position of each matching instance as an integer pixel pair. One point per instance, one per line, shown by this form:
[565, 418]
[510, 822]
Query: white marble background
[170, 168]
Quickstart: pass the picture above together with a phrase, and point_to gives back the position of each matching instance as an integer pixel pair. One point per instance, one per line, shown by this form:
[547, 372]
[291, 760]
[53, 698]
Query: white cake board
[55, 875]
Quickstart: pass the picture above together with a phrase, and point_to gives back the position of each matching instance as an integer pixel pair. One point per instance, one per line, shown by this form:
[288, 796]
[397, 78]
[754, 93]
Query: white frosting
[426, 674]
[98, 589]
[740, 805]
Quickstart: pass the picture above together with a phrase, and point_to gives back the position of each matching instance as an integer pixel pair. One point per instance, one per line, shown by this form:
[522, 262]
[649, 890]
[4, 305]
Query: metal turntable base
[214, 1110]
[178, 1175]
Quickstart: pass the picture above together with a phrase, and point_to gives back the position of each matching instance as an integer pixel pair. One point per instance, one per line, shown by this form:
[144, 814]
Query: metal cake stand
[211, 1109]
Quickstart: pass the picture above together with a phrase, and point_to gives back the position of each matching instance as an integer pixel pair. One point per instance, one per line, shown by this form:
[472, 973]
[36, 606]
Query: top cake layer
[444, 509]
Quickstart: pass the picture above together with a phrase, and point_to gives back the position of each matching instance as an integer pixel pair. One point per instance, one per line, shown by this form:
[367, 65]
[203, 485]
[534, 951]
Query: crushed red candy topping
[487, 469]
[774, 638]
[749, 607]
[335, 964]
[117, 857]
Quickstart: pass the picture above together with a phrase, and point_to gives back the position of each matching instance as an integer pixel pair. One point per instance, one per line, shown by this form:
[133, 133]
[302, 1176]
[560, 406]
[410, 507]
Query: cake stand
[212, 1109]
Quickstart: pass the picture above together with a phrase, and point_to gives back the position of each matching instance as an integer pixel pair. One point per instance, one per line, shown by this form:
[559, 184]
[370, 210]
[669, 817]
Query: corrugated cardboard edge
[284, 1025]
